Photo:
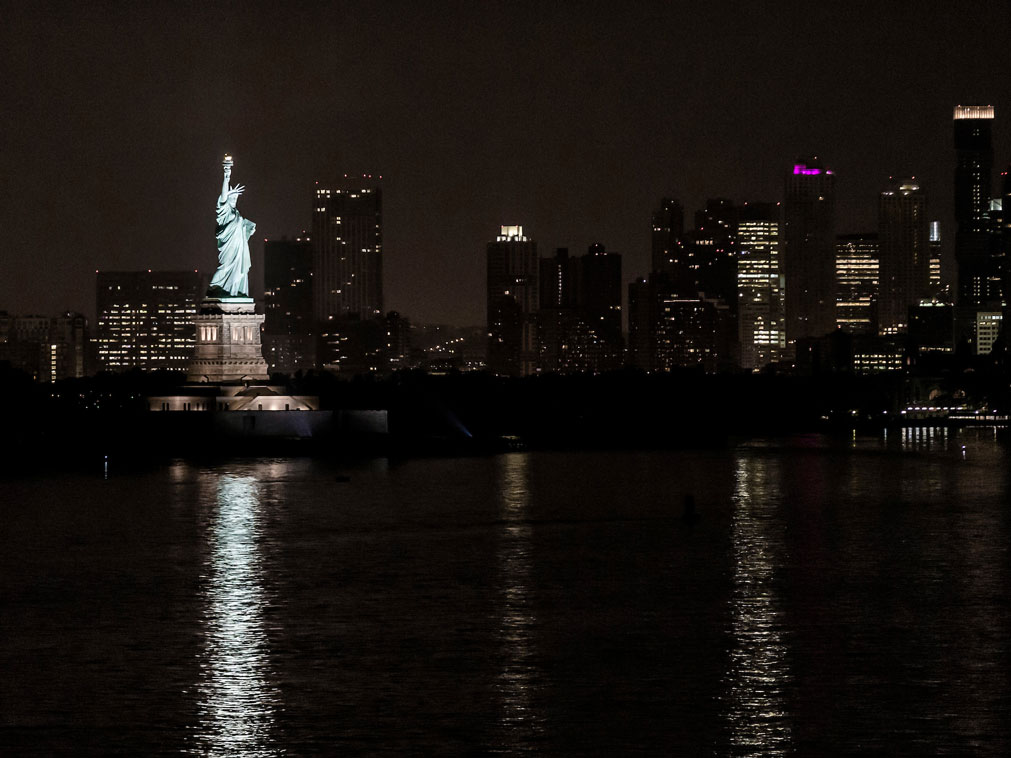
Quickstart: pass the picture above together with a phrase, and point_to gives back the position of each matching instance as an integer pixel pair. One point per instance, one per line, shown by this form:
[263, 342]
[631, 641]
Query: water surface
[834, 597]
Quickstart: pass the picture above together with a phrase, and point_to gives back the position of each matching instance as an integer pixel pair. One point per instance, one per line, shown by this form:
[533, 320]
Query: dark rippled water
[834, 598]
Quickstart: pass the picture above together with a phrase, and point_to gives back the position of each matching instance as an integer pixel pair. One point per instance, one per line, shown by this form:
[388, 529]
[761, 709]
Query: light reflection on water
[758, 721]
[924, 438]
[517, 680]
[237, 701]
[829, 601]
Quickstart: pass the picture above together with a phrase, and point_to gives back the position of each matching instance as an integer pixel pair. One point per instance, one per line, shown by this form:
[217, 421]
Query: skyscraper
[397, 331]
[668, 235]
[809, 250]
[289, 329]
[579, 321]
[713, 253]
[978, 276]
[600, 298]
[857, 271]
[936, 279]
[347, 239]
[146, 319]
[682, 314]
[643, 322]
[761, 308]
[558, 280]
[1004, 230]
[903, 232]
[513, 298]
[668, 330]
[1005, 194]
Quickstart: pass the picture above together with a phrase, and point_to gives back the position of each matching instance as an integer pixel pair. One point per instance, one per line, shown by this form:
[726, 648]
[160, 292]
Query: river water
[833, 597]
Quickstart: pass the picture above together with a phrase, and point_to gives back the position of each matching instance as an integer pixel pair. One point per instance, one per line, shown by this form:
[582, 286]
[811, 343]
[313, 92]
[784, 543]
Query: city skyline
[574, 135]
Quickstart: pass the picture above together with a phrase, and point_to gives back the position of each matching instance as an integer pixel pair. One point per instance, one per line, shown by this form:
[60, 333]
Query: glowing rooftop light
[511, 233]
[973, 111]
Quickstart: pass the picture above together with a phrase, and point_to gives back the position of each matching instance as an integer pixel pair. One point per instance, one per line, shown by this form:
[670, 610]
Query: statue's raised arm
[233, 233]
[227, 166]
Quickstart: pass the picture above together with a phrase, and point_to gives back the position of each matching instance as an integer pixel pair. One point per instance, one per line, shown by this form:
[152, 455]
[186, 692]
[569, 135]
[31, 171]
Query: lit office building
[513, 299]
[347, 238]
[841, 352]
[856, 271]
[289, 328]
[988, 325]
[873, 355]
[936, 287]
[761, 306]
[146, 319]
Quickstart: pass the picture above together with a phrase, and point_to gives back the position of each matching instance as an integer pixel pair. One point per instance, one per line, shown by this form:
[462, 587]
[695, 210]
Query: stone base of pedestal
[228, 345]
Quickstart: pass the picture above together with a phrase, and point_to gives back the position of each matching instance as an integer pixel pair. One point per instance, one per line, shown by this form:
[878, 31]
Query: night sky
[571, 119]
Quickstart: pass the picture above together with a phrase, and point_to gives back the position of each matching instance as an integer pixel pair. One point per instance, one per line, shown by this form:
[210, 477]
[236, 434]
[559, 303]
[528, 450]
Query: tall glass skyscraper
[761, 313]
[857, 282]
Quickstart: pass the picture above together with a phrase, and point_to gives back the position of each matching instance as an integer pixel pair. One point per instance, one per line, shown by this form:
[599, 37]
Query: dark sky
[569, 118]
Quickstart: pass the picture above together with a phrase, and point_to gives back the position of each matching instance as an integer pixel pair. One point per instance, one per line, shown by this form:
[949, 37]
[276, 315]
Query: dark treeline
[475, 412]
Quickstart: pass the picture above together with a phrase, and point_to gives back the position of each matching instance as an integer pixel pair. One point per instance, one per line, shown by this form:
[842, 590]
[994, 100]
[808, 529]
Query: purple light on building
[803, 170]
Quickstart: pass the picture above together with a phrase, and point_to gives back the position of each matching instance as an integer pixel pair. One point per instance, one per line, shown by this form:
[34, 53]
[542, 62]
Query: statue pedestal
[228, 342]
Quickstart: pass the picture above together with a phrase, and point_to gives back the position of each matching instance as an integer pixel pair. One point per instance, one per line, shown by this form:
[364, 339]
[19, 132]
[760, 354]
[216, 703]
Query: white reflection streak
[236, 706]
[517, 620]
[758, 722]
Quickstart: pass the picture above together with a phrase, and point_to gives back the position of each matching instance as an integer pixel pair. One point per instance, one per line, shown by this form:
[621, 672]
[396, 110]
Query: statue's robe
[233, 251]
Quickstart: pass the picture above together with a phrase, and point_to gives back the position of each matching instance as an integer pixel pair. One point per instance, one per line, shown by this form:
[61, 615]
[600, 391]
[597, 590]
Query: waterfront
[834, 597]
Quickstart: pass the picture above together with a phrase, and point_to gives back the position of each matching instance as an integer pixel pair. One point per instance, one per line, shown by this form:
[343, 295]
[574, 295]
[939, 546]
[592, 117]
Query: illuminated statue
[233, 233]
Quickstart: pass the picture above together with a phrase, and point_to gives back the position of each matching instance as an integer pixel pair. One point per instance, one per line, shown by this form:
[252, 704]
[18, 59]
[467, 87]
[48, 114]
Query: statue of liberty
[233, 233]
